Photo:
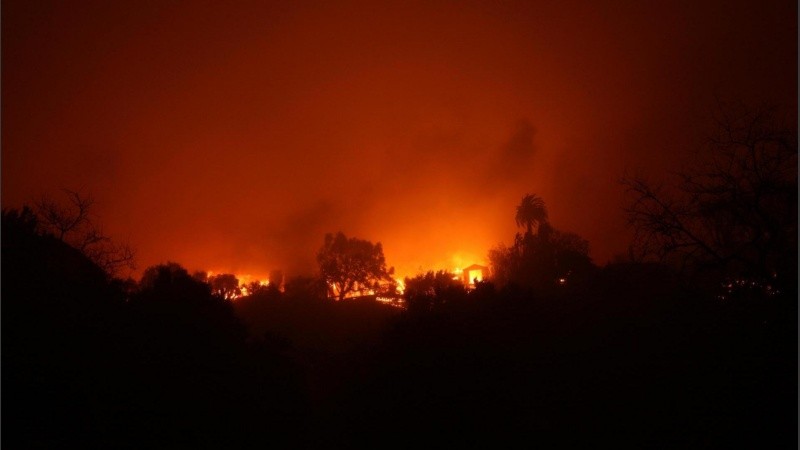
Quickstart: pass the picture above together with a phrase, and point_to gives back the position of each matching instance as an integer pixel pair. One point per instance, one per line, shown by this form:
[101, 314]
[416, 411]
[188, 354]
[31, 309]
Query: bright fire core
[475, 275]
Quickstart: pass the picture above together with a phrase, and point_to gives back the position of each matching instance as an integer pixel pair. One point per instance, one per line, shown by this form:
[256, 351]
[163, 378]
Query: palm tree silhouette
[531, 211]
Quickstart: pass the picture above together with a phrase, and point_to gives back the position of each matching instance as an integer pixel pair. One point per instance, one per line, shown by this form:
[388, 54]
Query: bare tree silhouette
[73, 224]
[734, 211]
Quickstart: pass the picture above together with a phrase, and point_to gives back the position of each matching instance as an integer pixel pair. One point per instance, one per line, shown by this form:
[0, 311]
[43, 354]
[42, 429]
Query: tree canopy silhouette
[429, 290]
[168, 291]
[351, 265]
[542, 259]
[225, 285]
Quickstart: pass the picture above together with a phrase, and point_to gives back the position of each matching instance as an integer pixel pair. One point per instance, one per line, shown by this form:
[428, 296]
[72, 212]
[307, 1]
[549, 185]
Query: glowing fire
[401, 285]
[244, 280]
[243, 286]
[458, 260]
[475, 275]
[399, 288]
[391, 301]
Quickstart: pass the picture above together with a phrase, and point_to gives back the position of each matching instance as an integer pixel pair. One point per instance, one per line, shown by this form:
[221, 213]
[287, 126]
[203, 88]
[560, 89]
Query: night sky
[232, 137]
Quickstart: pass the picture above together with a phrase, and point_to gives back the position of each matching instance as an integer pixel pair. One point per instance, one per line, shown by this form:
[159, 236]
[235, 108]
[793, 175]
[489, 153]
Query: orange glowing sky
[231, 137]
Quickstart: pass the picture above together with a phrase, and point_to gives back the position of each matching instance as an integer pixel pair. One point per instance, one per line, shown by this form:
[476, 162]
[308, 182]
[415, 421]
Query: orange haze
[231, 137]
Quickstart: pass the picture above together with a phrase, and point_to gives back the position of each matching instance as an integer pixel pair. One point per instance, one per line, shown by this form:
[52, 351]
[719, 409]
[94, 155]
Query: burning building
[474, 273]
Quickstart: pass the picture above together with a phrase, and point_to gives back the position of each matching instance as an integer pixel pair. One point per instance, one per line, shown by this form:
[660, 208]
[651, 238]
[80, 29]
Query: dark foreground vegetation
[626, 357]
[698, 350]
